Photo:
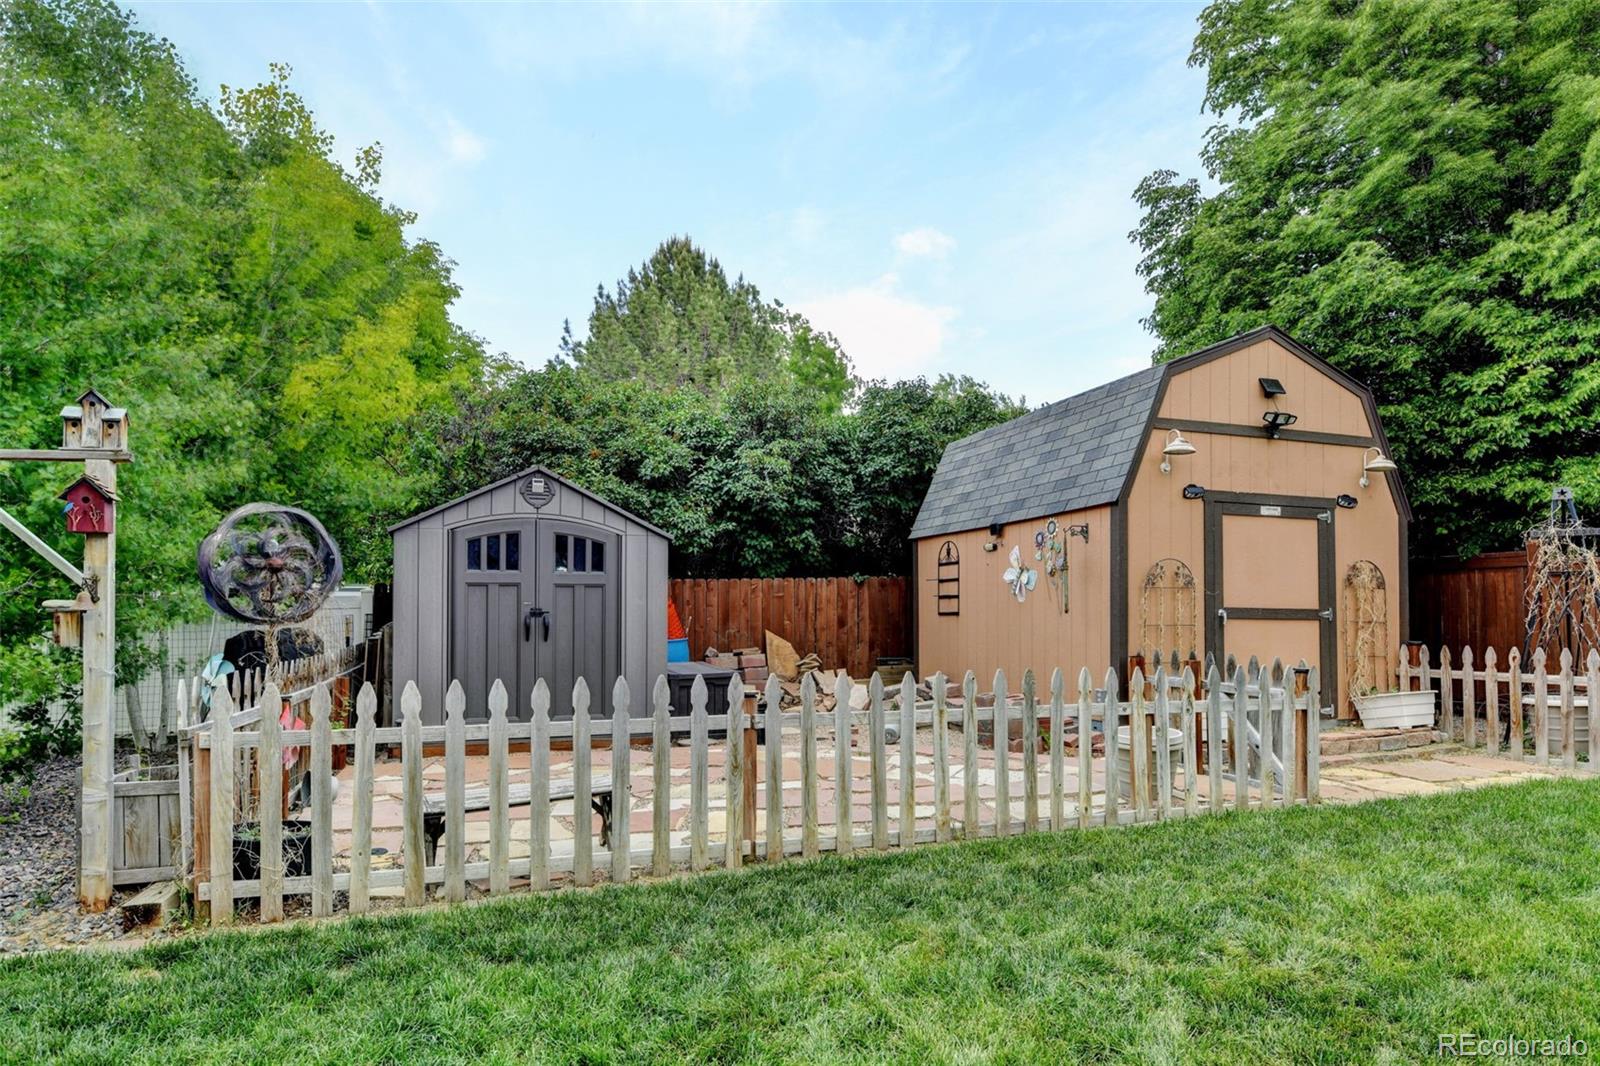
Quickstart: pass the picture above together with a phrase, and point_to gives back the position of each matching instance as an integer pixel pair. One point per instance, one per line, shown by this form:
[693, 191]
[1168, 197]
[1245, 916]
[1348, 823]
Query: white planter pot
[1125, 762]
[1396, 710]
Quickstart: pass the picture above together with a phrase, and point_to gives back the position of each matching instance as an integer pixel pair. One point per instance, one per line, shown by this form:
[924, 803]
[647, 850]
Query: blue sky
[946, 188]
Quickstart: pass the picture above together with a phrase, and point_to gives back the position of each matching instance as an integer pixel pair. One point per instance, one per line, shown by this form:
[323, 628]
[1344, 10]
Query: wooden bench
[477, 799]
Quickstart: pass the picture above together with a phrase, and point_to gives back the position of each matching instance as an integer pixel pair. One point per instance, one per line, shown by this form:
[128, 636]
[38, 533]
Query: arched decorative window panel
[1168, 612]
[1366, 629]
[947, 585]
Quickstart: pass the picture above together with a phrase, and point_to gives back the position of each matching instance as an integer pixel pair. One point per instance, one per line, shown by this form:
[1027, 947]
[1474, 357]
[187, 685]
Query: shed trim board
[623, 609]
[518, 476]
[1343, 426]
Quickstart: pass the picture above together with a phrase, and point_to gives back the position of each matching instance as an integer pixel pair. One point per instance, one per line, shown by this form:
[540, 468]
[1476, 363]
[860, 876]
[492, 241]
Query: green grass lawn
[1336, 934]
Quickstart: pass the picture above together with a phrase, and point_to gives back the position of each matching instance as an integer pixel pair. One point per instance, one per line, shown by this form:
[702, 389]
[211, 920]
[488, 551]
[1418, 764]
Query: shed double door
[534, 598]
[1270, 583]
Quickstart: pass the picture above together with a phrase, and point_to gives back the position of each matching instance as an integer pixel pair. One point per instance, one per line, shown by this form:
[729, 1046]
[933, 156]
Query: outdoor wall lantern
[992, 544]
[1373, 461]
[1276, 420]
[1192, 491]
[1177, 444]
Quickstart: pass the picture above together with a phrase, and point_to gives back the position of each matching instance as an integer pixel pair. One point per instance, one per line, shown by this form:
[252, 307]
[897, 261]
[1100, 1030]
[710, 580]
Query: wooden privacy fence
[1537, 704]
[850, 624]
[900, 772]
[1479, 602]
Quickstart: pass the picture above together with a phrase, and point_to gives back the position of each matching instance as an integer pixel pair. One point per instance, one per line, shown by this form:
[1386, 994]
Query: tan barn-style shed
[1237, 501]
[529, 577]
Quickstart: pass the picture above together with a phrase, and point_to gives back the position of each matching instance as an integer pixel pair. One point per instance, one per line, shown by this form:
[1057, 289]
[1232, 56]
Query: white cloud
[462, 144]
[925, 241]
[886, 334]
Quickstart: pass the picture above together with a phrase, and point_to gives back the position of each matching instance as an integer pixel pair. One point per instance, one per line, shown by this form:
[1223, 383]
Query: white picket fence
[1497, 710]
[1277, 765]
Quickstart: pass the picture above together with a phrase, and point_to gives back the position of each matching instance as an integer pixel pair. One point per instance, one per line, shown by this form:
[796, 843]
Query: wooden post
[99, 676]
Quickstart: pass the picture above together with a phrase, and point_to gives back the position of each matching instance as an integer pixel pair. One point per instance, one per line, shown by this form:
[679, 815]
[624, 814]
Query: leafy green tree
[758, 483]
[258, 310]
[1411, 189]
[678, 321]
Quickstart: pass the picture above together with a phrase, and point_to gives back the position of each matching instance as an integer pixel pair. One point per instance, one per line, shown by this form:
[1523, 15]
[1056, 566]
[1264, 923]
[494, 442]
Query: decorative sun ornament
[269, 565]
[1019, 577]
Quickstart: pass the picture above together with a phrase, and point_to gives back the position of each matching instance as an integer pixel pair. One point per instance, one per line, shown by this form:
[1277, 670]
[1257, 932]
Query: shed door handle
[527, 623]
[1222, 615]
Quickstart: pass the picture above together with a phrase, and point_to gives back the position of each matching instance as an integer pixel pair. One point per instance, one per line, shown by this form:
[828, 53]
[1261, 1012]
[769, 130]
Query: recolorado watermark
[1473, 1046]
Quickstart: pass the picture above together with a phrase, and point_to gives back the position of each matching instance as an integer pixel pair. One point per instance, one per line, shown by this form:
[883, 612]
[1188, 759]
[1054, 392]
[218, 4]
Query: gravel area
[38, 866]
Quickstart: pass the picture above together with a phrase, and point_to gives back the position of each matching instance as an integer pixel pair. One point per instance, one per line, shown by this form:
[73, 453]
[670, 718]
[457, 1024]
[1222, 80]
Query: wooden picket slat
[583, 784]
[361, 802]
[1163, 748]
[455, 793]
[1569, 751]
[879, 759]
[1288, 730]
[1541, 710]
[808, 767]
[1469, 711]
[1085, 747]
[321, 803]
[1241, 742]
[221, 815]
[734, 770]
[539, 798]
[1057, 742]
[969, 752]
[1314, 740]
[1191, 776]
[843, 766]
[1491, 701]
[1592, 689]
[774, 745]
[1138, 747]
[906, 824]
[1109, 714]
[1000, 742]
[661, 781]
[699, 776]
[1030, 754]
[414, 852]
[1447, 712]
[269, 804]
[1514, 741]
[1216, 751]
[622, 782]
[499, 794]
[941, 759]
[1265, 734]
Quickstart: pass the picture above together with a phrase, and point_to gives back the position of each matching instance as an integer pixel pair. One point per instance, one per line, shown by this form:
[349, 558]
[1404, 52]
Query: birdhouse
[68, 615]
[93, 423]
[91, 507]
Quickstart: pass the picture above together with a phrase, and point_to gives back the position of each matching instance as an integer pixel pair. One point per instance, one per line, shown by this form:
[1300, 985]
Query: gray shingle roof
[1070, 454]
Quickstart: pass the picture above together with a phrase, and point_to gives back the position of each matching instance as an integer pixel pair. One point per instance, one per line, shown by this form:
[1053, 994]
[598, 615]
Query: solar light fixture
[1276, 420]
[1271, 387]
[1346, 500]
[1373, 461]
[1192, 491]
[1176, 445]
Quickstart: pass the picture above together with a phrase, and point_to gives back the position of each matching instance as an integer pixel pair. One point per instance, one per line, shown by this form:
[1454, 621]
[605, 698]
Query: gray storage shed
[529, 577]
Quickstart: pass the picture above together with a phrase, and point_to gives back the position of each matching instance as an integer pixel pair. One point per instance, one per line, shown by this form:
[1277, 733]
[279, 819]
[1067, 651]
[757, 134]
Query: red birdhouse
[91, 507]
